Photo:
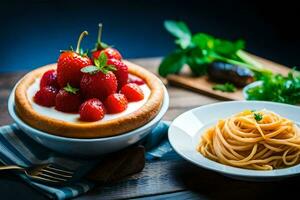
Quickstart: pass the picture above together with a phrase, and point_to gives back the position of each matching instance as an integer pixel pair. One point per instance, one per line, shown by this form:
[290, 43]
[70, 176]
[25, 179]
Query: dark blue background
[33, 32]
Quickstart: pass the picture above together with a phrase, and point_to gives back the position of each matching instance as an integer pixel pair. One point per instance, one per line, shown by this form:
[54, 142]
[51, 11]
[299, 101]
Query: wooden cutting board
[204, 86]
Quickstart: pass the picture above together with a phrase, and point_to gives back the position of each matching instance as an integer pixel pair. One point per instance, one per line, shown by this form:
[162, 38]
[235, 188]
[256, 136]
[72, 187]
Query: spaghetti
[260, 140]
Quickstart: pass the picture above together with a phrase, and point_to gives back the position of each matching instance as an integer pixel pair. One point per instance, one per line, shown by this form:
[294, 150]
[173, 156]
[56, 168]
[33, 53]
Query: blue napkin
[16, 148]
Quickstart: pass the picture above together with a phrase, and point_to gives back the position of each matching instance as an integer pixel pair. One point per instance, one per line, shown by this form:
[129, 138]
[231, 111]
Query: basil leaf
[180, 31]
[198, 62]
[172, 63]
[203, 41]
[228, 48]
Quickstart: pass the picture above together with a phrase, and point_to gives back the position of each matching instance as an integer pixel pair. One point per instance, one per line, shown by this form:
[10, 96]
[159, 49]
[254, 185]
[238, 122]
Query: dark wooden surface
[170, 178]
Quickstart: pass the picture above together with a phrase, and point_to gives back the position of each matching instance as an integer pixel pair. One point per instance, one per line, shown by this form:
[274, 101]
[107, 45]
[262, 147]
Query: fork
[47, 173]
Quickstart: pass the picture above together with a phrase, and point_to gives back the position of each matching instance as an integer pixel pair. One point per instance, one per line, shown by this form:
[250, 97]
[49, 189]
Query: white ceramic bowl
[88, 147]
[186, 130]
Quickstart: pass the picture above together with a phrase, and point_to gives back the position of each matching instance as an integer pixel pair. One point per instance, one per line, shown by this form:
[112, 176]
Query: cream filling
[70, 117]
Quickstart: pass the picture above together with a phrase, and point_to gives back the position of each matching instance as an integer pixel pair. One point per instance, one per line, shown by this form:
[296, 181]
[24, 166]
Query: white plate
[88, 147]
[186, 130]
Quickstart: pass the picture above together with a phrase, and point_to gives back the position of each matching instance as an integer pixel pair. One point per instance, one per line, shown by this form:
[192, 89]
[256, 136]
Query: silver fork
[47, 173]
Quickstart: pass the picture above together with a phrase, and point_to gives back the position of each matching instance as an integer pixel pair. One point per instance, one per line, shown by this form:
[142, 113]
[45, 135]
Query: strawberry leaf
[111, 67]
[107, 68]
[102, 59]
[71, 89]
[97, 63]
[90, 69]
[100, 65]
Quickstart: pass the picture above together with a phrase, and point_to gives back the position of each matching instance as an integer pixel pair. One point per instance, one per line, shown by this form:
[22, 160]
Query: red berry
[92, 110]
[121, 71]
[49, 78]
[116, 103]
[46, 96]
[132, 92]
[69, 65]
[67, 101]
[136, 80]
[111, 53]
[98, 85]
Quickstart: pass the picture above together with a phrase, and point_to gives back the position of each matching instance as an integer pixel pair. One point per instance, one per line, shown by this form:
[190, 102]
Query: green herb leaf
[278, 88]
[172, 63]
[197, 62]
[227, 87]
[180, 30]
[211, 48]
[257, 116]
[203, 41]
[90, 69]
[71, 89]
[228, 48]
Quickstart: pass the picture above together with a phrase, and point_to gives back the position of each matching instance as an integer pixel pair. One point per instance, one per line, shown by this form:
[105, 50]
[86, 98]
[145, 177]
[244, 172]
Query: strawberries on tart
[70, 63]
[116, 103]
[88, 98]
[98, 81]
[136, 80]
[49, 79]
[132, 92]
[92, 110]
[121, 71]
[68, 99]
[46, 96]
[101, 47]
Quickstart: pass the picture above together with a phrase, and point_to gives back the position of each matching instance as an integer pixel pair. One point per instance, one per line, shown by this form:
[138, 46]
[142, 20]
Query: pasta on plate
[260, 140]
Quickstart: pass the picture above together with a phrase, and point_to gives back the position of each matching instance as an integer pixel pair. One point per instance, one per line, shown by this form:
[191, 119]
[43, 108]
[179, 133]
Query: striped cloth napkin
[16, 148]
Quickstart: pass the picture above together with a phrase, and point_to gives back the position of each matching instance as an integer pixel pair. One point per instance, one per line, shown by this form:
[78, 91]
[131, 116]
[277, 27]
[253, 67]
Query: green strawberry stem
[100, 45]
[71, 89]
[99, 33]
[84, 33]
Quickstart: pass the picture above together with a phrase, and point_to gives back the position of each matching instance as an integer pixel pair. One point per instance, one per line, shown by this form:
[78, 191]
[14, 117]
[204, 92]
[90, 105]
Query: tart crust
[96, 129]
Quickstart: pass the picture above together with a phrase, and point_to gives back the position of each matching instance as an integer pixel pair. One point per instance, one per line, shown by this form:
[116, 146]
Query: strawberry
[70, 63]
[136, 80]
[49, 78]
[110, 52]
[121, 71]
[98, 81]
[92, 110]
[68, 99]
[132, 92]
[116, 103]
[46, 96]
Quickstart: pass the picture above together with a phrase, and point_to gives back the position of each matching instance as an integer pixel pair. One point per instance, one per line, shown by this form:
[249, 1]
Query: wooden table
[172, 177]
